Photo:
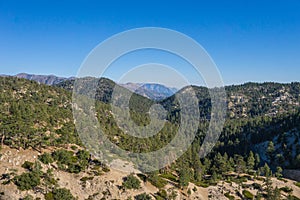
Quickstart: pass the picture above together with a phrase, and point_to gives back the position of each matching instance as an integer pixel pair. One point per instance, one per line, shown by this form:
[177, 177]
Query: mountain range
[44, 79]
[261, 136]
[150, 90]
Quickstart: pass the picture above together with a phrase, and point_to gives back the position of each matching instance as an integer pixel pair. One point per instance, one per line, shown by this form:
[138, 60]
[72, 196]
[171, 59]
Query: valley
[42, 153]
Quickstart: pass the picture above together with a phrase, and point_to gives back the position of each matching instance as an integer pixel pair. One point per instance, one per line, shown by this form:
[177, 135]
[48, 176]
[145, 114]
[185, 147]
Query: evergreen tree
[271, 151]
[278, 173]
[250, 161]
[257, 160]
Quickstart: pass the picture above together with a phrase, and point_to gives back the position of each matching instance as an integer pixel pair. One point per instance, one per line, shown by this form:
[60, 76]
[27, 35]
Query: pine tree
[257, 160]
[271, 151]
[251, 161]
[278, 173]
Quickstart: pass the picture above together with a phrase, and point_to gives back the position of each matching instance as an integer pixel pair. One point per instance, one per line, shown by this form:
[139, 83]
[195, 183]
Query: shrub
[260, 178]
[27, 181]
[163, 194]
[257, 186]
[201, 184]
[247, 194]
[286, 189]
[292, 197]
[246, 177]
[189, 192]
[49, 196]
[131, 182]
[143, 196]
[229, 196]
[195, 189]
[297, 184]
[63, 156]
[143, 177]
[73, 147]
[67, 161]
[59, 194]
[170, 177]
[105, 168]
[157, 181]
[84, 179]
[46, 158]
[159, 198]
[28, 165]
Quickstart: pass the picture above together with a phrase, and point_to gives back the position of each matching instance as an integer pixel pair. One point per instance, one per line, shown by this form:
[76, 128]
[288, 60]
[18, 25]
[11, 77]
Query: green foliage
[49, 180]
[105, 168]
[170, 177]
[36, 116]
[201, 184]
[49, 196]
[184, 177]
[131, 182]
[240, 164]
[257, 186]
[250, 161]
[70, 162]
[29, 112]
[59, 194]
[297, 184]
[265, 170]
[286, 189]
[27, 181]
[156, 180]
[162, 194]
[230, 197]
[247, 194]
[73, 147]
[278, 173]
[84, 179]
[292, 197]
[270, 151]
[46, 158]
[28, 165]
[143, 196]
[276, 194]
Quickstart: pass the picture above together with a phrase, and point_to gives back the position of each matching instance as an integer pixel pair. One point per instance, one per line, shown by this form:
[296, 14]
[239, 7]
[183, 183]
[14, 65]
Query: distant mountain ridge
[152, 91]
[43, 79]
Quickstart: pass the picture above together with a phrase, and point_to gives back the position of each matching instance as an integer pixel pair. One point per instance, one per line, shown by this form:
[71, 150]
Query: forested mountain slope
[261, 132]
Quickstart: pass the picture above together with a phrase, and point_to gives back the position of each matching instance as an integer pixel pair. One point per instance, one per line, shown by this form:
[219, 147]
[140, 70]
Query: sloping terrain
[259, 140]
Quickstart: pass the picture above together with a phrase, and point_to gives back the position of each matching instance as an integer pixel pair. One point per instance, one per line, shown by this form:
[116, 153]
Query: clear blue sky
[248, 40]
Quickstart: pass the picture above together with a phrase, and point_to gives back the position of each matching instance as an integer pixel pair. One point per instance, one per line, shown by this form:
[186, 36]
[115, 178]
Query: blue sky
[248, 40]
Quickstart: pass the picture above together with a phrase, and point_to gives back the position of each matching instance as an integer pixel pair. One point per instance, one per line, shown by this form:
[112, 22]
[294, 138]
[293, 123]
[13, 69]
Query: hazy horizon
[248, 41]
[150, 82]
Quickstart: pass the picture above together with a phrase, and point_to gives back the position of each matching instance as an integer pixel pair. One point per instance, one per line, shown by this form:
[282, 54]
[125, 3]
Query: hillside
[151, 91]
[250, 99]
[259, 140]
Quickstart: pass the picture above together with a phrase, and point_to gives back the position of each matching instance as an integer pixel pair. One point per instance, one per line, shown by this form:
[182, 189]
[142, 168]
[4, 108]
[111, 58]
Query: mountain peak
[152, 91]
